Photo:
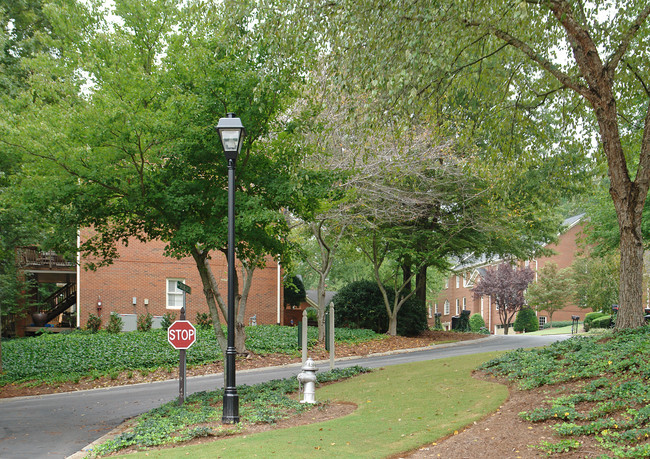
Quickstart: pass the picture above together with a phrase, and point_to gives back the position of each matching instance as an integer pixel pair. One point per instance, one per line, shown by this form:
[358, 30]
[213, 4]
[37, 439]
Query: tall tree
[569, 68]
[132, 132]
[552, 291]
[505, 286]
[595, 278]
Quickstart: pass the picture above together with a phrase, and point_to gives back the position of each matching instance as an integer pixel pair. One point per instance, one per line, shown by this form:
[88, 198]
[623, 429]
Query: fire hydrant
[307, 377]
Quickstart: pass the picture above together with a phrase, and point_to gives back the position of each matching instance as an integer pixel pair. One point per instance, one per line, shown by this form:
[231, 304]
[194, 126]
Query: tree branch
[617, 55]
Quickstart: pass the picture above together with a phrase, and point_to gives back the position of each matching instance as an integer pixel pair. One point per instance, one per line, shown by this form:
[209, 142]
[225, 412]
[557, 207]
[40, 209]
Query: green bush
[115, 323]
[145, 322]
[203, 320]
[590, 317]
[94, 323]
[167, 319]
[601, 322]
[476, 322]
[462, 322]
[526, 321]
[361, 305]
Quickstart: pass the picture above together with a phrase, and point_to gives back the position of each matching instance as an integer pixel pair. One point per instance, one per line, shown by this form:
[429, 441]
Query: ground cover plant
[399, 408]
[55, 358]
[170, 423]
[610, 399]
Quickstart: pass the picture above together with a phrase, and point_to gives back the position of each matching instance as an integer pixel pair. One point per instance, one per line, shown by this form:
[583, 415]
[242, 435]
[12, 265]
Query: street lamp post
[232, 133]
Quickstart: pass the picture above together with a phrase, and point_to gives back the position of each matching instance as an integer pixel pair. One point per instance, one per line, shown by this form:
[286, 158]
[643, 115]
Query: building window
[436, 308]
[446, 307]
[174, 294]
[464, 303]
[542, 321]
[457, 281]
[430, 316]
[457, 306]
[447, 283]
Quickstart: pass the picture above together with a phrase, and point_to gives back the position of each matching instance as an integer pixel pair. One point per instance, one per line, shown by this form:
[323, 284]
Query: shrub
[526, 321]
[462, 322]
[94, 323]
[145, 322]
[601, 322]
[476, 322]
[361, 305]
[167, 319]
[115, 323]
[203, 320]
[590, 317]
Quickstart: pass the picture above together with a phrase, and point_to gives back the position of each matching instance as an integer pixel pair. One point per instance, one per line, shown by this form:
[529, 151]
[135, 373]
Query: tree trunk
[321, 309]
[407, 274]
[210, 295]
[240, 338]
[630, 311]
[421, 285]
[392, 325]
[506, 327]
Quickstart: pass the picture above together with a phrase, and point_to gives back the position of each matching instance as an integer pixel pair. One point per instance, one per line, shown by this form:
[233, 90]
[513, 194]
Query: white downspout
[78, 279]
[279, 298]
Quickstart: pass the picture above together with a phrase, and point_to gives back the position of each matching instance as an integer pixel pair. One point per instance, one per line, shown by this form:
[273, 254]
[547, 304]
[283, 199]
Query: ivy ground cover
[69, 357]
[610, 401]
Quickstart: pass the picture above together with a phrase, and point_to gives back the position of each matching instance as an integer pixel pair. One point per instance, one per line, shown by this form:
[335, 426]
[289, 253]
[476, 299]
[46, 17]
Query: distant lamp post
[232, 133]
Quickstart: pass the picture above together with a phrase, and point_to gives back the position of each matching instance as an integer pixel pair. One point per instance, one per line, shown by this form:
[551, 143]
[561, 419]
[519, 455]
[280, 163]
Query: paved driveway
[58, 425]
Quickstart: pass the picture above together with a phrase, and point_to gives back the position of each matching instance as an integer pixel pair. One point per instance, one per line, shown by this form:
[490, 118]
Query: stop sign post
[181, 334]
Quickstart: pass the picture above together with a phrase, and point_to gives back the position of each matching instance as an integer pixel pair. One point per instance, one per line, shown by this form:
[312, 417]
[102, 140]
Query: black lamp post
[232, 134]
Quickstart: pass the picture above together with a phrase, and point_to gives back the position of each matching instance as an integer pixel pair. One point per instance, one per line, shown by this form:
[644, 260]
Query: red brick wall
[565, 251]
[142, 271]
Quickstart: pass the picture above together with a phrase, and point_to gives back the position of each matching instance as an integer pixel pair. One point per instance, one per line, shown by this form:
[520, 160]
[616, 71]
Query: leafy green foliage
[203, 320]
[590, 317]
[361, 305]
[476, 322]
[145, 322]
[94, 323]
[526, 321]
[167, 319]
[601, 322]
[66, 357]
[552, 291]
[264, 403]
[115, 323]
[613, 402]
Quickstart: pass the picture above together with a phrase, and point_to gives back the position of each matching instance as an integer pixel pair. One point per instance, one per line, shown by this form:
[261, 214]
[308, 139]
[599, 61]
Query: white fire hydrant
[307, 377]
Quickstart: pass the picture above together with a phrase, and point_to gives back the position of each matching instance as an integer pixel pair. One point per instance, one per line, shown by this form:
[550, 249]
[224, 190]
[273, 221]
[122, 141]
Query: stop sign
[181, 334]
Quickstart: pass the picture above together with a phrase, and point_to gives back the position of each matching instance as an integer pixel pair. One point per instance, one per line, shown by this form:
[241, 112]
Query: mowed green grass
[399, 408]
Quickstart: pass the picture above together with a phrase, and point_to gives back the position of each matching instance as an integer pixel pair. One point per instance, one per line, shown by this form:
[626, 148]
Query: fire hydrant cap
[309, 365]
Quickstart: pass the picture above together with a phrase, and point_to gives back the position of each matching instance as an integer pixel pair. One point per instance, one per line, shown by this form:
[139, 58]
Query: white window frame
[542, 321]
[447, 282]
[464, 303]
[446, 307]
[457, 306]
[175, 291]
[436, 308]
[457, 281]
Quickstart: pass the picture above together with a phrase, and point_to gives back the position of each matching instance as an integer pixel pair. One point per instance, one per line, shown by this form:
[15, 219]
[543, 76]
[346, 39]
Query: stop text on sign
[181, 334]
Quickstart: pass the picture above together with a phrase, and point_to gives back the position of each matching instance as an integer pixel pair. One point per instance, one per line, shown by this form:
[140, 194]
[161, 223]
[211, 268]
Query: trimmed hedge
[557, 324]
[361, 305]
[590, 317]
[601, 322]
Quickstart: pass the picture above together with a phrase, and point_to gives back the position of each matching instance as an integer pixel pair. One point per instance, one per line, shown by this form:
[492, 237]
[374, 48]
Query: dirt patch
[251, 361]
[504, 435]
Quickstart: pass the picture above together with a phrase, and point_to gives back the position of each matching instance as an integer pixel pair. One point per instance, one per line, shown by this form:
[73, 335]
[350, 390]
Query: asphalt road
[59, 425]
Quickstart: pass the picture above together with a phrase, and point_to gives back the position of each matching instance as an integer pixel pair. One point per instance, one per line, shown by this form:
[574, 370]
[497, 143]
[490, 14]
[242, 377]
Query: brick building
[457, 294]
[142, 280]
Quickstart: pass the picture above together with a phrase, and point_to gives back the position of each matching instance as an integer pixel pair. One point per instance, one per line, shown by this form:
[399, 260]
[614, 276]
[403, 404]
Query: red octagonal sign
[181, 334]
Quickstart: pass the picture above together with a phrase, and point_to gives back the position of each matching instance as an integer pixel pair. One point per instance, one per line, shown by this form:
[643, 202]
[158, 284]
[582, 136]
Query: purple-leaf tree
[506, 286]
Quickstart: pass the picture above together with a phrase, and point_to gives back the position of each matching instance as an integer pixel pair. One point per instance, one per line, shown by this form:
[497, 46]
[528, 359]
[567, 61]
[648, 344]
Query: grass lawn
[557, 331]
[399, 408]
